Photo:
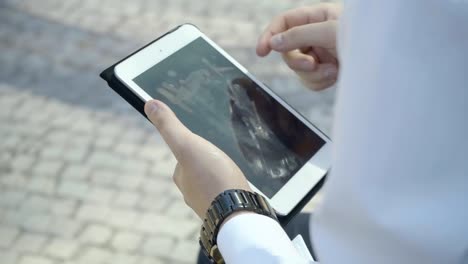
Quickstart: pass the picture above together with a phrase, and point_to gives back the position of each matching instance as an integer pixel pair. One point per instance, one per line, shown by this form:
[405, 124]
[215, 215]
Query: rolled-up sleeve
[254, 238]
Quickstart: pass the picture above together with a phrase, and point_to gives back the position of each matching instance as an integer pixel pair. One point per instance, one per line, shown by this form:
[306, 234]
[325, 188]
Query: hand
[306, 37]
[203, 171]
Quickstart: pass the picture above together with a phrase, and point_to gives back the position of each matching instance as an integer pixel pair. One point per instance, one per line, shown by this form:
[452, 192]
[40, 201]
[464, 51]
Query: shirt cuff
[255, 238]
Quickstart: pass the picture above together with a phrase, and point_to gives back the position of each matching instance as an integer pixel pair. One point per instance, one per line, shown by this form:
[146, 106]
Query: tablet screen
[217, 101]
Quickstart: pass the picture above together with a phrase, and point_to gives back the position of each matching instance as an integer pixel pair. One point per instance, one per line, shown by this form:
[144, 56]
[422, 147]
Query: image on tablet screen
[217, 101]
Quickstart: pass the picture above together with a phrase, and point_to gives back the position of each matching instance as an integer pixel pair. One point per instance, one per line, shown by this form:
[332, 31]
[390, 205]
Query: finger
[320, 86]
[323, 72]
[287, 20]
[174, 133]
[299, 61]
[318, 34]
[324, 55]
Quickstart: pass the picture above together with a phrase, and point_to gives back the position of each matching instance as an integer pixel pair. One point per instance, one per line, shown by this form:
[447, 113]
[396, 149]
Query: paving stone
[75, 154]
[126, 199]
[47, 168]
[110, 130]
[61, 249]
[93, 212]
[64, 227]
[11, 197]
[152, 223]
[150, 260]
[104, 142]
[30, 243]
[84, 125]
[7, 236]
[98, 194]
[9, 256]
[76, 172]
[164, 169]
[39, 222]
[36, 203]
[5, 158]
[10, 142]
[13, 180]
[13, 216]
[102, 159]
[47, 224]
[96, 255]
[156, 185]
[154, 202]
[185, 251]
[96, 234]
[175, 193]
[126, 241]
[22, 162]
[129, 181]
[123, 258]
[74, 189]
[52, 152]
[104, 177]
[35, 259]
[61, 121]
[58, 137]
[41, 185]
[126, 149]
[134, 166]
[179, 209]
[29, 146]
[47, 204]
[158, 246]
[121, 218]
[63, 207]
[80, 140]
[154, 153]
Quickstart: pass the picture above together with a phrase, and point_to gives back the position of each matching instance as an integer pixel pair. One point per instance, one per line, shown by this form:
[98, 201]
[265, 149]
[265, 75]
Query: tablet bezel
[301, 182]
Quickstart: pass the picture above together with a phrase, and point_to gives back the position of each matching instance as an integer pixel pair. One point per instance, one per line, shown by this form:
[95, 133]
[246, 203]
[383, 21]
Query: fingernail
[277, 41]
[330, 72]
[151, 108]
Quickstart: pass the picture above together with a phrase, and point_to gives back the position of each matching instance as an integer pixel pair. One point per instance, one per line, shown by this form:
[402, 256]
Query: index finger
[175, 134]
[289, 19]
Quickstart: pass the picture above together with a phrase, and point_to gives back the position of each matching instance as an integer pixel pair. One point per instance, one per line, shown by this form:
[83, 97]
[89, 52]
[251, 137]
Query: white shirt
[398, 189]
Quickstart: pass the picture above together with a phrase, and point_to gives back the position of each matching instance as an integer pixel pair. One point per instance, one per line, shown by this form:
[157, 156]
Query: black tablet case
[137, 103]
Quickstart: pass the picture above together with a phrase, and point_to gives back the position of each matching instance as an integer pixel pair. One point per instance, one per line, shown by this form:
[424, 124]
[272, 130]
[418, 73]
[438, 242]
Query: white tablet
[282, 154]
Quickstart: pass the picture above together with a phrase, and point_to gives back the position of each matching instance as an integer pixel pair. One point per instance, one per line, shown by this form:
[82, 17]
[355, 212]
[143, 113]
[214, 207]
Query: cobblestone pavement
[83, 178]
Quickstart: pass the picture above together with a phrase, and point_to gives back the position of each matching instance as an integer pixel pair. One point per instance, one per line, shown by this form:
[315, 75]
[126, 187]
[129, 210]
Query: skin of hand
[203, 171]
[306, 37]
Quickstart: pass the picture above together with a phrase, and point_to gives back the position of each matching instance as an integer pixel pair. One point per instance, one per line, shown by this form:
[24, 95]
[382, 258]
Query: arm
[249, 237]
[244, 238]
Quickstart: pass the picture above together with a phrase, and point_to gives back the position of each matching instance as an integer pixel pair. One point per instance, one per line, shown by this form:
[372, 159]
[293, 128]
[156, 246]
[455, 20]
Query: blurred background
[83, 177]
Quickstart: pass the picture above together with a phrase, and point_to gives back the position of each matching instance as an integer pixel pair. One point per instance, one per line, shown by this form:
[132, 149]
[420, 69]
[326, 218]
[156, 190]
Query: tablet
[281, 153]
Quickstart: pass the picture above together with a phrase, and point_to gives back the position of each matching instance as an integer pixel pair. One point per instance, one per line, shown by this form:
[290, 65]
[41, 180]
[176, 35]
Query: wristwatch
[223, 206]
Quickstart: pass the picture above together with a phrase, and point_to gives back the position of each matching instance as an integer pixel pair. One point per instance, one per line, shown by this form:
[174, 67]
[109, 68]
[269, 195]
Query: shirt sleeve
[398, 187]
[254, 238]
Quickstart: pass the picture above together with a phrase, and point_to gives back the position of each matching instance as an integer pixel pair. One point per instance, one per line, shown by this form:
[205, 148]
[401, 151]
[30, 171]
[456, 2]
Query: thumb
[174, 133]
[321, 35]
